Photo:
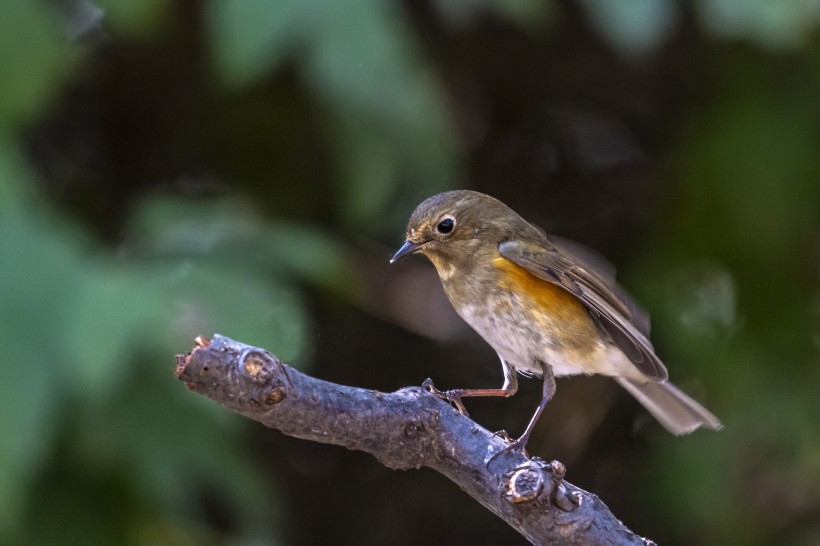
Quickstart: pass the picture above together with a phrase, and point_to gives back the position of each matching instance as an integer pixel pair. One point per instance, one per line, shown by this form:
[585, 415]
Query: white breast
[523, 346]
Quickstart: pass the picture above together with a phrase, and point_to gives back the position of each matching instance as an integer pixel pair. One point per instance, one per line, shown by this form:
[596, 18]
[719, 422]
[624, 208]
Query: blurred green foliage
[89, 412]
[344, 48]
[33, 56]
[103, 279]
[84, 331]
[744, 244]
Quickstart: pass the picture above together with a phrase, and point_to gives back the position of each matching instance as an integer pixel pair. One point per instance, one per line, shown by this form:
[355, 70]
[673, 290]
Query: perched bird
[543, 309]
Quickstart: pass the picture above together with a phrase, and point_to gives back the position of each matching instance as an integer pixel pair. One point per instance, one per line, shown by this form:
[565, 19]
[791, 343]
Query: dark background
[171, 169]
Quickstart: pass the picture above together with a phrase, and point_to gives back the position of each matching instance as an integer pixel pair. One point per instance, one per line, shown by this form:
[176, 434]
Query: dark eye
[446, 226]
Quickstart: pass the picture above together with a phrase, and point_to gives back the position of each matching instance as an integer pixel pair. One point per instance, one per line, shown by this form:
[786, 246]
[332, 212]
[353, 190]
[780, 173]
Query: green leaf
[388, 120]
[308, 255]
[27, 409]
[250, 37]
[34, 56]
[132, 17]
[208, 299]
[13, 176]
[228, 231]
[775, 25]
[39, 277]
[635, 27]
[111, 313]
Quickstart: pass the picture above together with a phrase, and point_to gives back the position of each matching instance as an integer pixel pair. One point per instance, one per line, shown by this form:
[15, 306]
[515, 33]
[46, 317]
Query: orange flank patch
[553, 311]
[547, 297]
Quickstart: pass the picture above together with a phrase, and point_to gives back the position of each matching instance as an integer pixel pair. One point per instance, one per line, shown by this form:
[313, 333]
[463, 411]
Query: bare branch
[409, 428]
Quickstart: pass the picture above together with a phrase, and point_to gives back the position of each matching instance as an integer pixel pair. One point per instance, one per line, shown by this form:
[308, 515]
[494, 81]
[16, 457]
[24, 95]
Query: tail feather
[675, 410]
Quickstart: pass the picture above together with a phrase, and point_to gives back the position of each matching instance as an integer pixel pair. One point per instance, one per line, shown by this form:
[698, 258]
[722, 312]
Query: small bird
[542, 308]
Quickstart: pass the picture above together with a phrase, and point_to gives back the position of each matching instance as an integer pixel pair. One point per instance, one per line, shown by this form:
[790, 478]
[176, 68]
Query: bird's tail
[675, 410]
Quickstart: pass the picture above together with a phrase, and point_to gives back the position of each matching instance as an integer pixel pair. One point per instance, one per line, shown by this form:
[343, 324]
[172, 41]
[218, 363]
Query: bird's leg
[454, 396]
[548, 391]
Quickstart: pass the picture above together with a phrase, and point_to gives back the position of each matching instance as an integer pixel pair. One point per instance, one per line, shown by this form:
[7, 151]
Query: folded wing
[614, 311]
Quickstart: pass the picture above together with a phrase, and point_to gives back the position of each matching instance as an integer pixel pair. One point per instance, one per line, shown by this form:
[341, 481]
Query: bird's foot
[453, 397]
[519, 445]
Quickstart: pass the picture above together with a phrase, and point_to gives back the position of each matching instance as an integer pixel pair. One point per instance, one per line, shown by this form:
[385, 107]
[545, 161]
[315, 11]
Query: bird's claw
[427, 385]
[519, 445]
[453, 397]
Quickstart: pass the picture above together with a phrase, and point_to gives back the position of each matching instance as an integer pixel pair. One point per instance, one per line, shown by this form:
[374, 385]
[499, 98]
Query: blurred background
[173, 169]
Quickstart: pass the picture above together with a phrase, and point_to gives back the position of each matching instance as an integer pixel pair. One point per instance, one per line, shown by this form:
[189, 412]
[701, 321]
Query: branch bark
[406, 429]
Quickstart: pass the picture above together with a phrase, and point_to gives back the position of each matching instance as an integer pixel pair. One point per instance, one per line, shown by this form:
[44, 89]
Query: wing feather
[614, 311]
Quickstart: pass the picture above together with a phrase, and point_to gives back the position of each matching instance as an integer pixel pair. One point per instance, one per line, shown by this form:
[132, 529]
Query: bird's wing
[614, 311]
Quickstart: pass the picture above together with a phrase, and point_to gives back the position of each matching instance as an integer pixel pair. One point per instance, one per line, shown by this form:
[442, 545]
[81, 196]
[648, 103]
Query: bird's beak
[407, 248]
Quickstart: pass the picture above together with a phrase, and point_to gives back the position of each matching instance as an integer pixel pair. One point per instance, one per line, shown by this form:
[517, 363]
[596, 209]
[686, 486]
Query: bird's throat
[445, 268]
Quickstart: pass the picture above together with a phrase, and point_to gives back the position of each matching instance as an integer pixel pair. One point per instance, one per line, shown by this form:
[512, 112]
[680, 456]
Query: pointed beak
[407, 248]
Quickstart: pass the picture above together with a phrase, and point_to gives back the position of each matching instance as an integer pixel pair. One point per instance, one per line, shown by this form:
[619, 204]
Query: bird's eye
[446, 225]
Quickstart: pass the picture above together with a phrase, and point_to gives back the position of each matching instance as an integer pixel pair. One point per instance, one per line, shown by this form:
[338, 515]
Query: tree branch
[406, 429]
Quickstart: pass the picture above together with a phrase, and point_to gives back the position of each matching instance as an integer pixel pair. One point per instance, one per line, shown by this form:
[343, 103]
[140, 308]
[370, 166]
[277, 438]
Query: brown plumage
[543, 309]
